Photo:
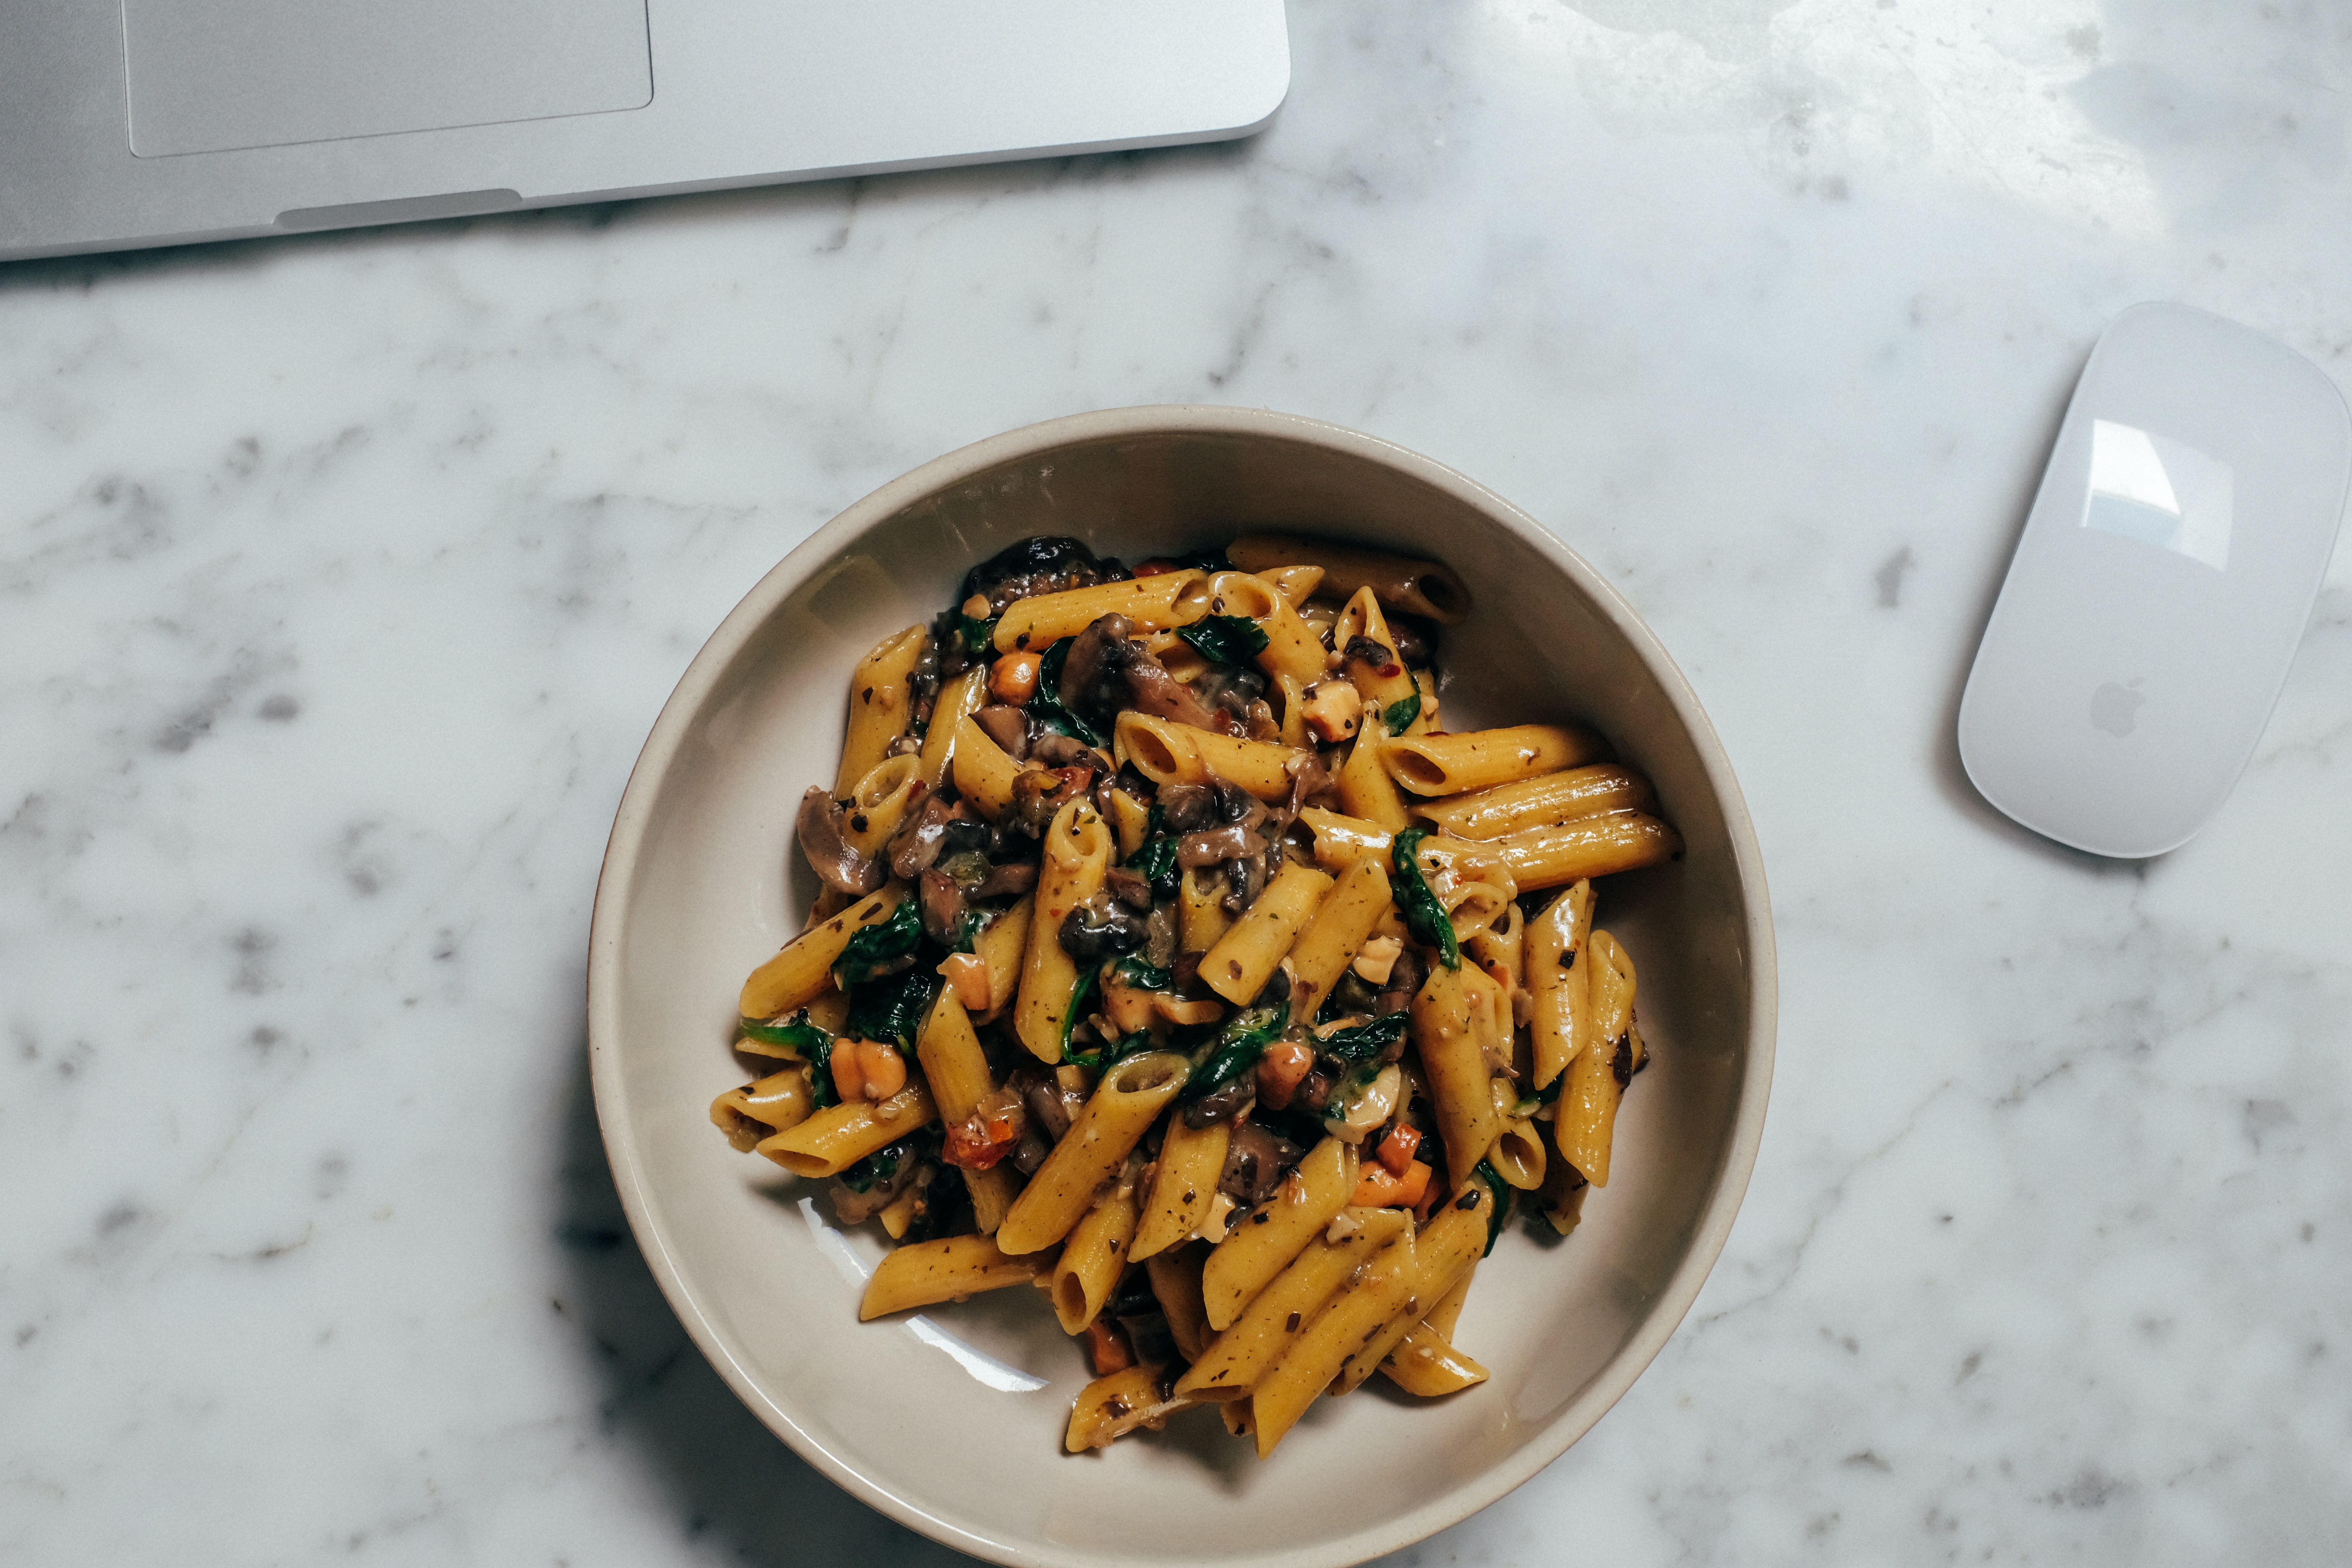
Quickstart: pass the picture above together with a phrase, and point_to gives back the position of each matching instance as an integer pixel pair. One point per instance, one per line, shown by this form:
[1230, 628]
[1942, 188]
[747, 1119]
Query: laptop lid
[158, 122]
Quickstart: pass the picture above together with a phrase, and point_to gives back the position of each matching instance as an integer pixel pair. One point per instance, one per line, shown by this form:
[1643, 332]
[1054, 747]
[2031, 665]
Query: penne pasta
[1111, 1406]
[1175, 1277]
[1546, 800]
[771, 1105]
[984, 774]
[1561, 1201]
[1077, 853]
[1356, 1314]
[1586, 1117]
[1419, 587]
[1291, 648]
[1448, 1019]
[1191, 1161]
[1296, 584]
[925, 1273]
[803, 969]
[1168, 752]
[957, 1070]
[1480, 758]
[1592, 846]
[1366, 788]
[957, 701]
[1448, 1310]
[1446, 1248]
[1094, 1256]
[1244, 958]
[1149, 603]
[1329, 942]
[1426, 1363]
[1130, 822]
[1002, 945]
[880, 705]
[1341, 840]
[1124, 1105]
[1500, 943]
[1386, 685]
[1557, 992]
[1201, 919]
[1517, 1154]
[830, 1140]
[1261, 1247]
[1230, 1364]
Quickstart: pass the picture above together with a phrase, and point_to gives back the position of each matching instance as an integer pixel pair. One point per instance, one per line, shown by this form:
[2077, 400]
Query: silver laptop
[139, 122]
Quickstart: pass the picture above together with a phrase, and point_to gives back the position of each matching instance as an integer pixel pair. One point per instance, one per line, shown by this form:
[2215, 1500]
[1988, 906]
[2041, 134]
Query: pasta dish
[1171, 957]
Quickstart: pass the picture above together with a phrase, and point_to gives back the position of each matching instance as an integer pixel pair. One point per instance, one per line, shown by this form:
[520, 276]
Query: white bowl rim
[941, 473]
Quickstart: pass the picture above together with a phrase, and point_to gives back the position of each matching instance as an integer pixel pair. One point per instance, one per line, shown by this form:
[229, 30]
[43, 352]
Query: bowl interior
[954, 1423]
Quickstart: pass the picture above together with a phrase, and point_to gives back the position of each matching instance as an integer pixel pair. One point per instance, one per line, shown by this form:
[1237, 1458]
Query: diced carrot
[1375, 1187]
[1280, 1071]
[1378, 1187]
[1107, 1346]
[1396, 1150]
[1433, 1193]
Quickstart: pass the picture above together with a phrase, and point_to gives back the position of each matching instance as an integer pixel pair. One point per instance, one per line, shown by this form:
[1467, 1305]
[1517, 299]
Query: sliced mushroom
[1233, 841]
[1007, 726]
[942, 908]
[836, 864]
[1101, 928]
[1058, 751]
[1100, 651]
[1185, 807]
[1009, 881]
[921, 839]
[1152, 689]
[1255, 1161]
[1223, 1105]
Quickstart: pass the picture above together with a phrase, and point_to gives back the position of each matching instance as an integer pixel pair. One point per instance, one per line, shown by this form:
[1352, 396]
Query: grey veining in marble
[341, 579]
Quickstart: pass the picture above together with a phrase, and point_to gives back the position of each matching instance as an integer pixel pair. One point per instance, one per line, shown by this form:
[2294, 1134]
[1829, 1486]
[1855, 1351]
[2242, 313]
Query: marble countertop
[341, 579]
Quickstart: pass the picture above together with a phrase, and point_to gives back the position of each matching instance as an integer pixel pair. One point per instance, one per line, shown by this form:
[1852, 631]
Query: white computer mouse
[2162, 583]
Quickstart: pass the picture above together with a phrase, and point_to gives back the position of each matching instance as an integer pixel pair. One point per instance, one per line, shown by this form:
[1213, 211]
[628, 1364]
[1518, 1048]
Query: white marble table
[341, 578]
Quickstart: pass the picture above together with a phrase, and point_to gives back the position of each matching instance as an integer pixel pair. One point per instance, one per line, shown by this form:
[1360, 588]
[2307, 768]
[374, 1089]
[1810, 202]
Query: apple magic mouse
[2163, 580]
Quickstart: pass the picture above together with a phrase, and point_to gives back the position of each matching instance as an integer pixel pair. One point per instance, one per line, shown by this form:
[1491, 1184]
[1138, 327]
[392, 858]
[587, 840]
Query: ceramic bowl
[952, 1423]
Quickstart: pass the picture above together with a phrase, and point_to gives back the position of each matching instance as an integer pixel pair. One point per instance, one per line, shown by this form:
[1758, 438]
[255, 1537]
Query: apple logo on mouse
[2114, 709]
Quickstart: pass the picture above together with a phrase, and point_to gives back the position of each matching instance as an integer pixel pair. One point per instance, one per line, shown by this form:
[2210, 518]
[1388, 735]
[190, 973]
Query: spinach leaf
[1549, 1093]
[893, 1008]
[1236, 1050]
[1140, 974]
[1399, 715]
[1501, 1212]
[815, 1045]
[885, 1163]
[1081, 998]
[1116, 1049]
[1154, 859]
[1225, 639]
[979, 637]
[874, 950]
[1423, 915]
[795, 1033]
[1363, 1042]
[1047, 704]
